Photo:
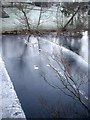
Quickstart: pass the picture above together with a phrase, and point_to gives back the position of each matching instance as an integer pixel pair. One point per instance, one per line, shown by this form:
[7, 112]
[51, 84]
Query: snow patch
[47, 65]
[10, 106]
[35, 67]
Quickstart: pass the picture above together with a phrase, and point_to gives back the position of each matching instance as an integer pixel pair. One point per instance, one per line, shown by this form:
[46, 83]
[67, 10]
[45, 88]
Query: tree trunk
[71, 17]
[39, 17]
[27, 22]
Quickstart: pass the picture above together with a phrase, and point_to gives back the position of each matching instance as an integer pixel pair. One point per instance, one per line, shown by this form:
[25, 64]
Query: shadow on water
[27, 62]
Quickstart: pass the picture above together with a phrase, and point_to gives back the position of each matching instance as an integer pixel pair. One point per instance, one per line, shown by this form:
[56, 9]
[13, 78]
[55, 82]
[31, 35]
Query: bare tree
[73, 13]
[23, 8]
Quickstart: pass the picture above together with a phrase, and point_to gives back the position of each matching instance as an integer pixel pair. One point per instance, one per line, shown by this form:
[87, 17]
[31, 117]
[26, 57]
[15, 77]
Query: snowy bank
[9, 104]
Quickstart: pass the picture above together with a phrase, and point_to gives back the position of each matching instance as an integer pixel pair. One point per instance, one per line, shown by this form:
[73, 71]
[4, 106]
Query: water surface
[27, 61]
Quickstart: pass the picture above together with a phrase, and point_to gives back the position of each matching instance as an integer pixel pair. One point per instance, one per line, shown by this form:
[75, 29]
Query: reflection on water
[84, 48]
[71, 43]
[0, 44]
[27, 60]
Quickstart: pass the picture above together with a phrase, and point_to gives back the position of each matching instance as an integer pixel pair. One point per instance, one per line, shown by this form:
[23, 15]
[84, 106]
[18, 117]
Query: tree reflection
[39, 46]
[25, 46]
[59, 109]
[72, 84]
[72, 42]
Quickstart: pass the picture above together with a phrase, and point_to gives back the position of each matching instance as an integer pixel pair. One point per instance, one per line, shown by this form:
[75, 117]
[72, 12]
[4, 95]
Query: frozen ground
[9, 104]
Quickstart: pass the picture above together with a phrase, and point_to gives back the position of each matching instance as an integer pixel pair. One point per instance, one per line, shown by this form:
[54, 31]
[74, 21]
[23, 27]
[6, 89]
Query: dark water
[27, 62]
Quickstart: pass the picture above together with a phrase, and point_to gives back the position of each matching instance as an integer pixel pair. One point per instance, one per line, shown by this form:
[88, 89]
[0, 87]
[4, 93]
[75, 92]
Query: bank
[10, 106]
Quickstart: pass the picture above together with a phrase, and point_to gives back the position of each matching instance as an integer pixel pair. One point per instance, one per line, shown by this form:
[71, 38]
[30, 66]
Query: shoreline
[41, 31]
[10, 106]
